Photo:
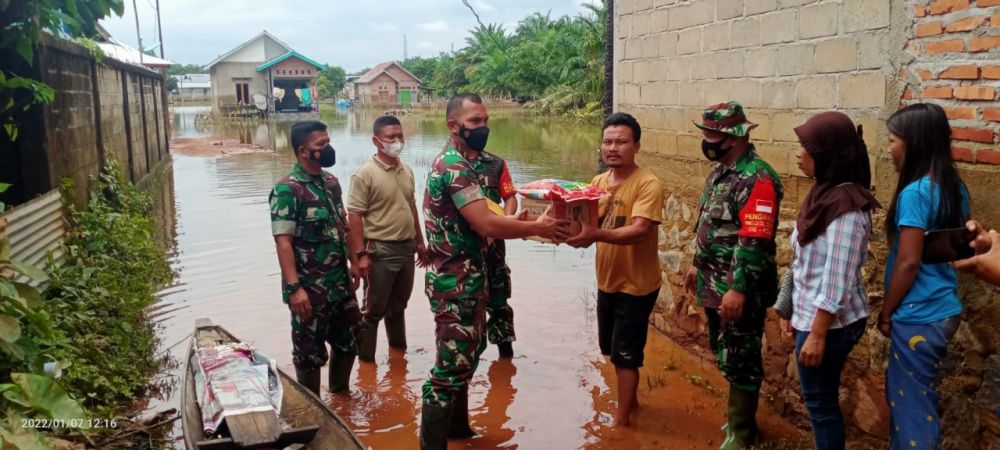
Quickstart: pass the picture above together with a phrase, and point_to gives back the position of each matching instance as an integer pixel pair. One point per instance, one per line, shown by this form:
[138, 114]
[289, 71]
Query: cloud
[424, 45]
[437, 25]
[384, 27]
[481, 6]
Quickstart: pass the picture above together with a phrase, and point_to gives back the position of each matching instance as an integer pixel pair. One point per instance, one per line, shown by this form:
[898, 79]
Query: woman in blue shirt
[921, 309]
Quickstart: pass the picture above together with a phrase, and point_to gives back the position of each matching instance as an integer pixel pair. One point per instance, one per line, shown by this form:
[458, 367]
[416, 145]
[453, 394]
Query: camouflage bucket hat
[726, 118]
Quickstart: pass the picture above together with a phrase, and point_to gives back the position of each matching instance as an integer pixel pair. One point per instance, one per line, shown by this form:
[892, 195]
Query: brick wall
[956, 65]
[786, 60]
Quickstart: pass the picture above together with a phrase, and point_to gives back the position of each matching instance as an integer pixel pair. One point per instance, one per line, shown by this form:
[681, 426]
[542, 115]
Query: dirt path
[212, 147]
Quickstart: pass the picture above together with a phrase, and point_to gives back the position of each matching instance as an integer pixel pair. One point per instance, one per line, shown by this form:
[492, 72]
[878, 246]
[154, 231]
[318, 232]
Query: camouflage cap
[726, 118]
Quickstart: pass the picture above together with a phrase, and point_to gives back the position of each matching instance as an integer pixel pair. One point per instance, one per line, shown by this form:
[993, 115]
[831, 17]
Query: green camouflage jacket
[310, 208]
[497, 185]
[457, 253]
[737, 221]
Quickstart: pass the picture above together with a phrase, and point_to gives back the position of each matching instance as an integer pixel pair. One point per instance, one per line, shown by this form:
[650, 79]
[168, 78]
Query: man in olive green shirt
[382, 215]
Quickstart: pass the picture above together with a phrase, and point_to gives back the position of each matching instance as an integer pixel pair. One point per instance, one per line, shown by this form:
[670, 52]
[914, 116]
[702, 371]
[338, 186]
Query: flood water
[557, 392]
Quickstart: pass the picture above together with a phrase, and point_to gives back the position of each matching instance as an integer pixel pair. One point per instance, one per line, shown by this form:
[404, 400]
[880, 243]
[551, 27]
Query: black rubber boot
[308, 378]
[460, 428]
[340, 371]
[366, 346]
[395, 331]
[434, 421]
[506, 349]
[741, 428]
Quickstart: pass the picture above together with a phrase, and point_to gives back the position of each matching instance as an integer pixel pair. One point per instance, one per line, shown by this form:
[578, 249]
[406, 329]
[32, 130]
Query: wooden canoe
[305, 420]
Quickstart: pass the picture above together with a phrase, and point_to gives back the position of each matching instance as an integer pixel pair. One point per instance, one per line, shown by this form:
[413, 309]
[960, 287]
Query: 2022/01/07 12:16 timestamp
[41, 423]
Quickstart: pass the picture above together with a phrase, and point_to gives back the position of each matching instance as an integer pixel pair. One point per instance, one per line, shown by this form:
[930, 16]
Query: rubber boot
[741, 427]
[506, 349]
[434, 421]
[395, 331]
[340, 372]
[308, 378]
[366, 347]
[460, 428]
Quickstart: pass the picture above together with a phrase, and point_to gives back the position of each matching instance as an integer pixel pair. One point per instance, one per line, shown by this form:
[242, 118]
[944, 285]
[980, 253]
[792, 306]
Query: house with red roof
[387, 83]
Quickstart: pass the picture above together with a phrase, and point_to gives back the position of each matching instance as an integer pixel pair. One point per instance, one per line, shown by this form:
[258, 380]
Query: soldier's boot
[741, 427]
[434, 421]
[506, 349]
[340, 372]
[460, 428]
[366, 346]
[395, 331]
[308, 378]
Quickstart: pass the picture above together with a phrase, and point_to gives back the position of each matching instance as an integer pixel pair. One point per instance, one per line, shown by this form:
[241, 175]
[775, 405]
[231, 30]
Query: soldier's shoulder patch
[759, 213]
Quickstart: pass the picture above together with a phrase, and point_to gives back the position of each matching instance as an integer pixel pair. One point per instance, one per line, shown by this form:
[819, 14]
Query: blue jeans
[821, 385]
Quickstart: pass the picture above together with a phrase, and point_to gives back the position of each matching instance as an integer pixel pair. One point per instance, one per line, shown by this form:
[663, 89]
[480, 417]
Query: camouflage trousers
[460, 339]
[334, 322]
[737, 346]
[500, 324]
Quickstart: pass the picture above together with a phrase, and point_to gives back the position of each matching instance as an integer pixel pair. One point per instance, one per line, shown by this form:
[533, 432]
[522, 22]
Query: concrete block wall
[99, 112]
[140, 162]
[111, 99]
[70, 118]
[786, 60]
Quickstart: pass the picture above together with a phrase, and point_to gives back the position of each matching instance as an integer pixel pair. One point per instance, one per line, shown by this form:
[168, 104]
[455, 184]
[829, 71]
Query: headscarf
[843, 174]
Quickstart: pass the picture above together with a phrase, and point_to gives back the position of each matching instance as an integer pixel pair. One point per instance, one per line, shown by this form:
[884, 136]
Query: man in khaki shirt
[385, 234]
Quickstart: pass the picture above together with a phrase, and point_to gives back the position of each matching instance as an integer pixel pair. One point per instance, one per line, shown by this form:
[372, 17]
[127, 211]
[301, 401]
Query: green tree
[21, 25]
[184, 69]
[331, 80]
[556, 65]
[422, 68]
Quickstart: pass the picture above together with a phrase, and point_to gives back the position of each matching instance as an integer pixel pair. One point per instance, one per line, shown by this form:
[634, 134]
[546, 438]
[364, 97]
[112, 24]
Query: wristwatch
[361, 253]
[290, 288]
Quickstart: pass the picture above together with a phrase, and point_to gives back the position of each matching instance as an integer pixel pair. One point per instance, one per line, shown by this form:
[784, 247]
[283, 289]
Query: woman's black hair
[926, 136]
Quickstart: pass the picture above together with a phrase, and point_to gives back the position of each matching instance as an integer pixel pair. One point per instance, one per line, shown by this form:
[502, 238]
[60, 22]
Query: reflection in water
[553, 394]
[493, 416]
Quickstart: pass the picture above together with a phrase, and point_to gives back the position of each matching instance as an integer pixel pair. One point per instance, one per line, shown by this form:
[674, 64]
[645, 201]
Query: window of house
[243, 92]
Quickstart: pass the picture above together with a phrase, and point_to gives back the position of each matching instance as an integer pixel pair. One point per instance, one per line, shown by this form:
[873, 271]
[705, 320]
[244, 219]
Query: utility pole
[137, 35]
[159, 27]
[163, 91]
[405, 57]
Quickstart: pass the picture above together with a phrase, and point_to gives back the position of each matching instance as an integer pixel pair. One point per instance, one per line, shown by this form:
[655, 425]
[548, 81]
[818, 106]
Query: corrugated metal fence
[35, 229]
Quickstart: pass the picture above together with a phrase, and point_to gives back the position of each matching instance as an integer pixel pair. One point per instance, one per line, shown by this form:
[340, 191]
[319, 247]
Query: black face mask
[475, 138]
[713, 150]
[326, 156]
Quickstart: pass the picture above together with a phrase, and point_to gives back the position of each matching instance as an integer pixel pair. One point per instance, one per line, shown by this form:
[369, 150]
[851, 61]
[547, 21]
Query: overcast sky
[352, 34]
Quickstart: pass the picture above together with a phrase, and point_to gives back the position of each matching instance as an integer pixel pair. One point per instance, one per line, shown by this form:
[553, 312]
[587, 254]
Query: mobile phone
[952, 244]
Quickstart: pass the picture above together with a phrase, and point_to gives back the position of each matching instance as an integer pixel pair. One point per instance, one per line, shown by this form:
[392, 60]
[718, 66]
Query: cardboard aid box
[577, 211]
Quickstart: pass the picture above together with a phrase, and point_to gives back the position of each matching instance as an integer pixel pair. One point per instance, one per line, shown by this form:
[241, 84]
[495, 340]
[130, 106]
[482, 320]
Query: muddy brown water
[557, 393]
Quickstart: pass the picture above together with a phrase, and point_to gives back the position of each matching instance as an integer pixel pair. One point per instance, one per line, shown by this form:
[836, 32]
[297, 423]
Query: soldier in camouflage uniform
[498, 187]
[458, 222]
[734, 273]
[310, 231]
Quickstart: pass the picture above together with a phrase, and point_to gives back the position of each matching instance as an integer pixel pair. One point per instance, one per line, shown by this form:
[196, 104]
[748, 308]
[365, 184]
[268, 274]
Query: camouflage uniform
[737, 220]
[497, 185]
[309, 208]
[456, 278]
